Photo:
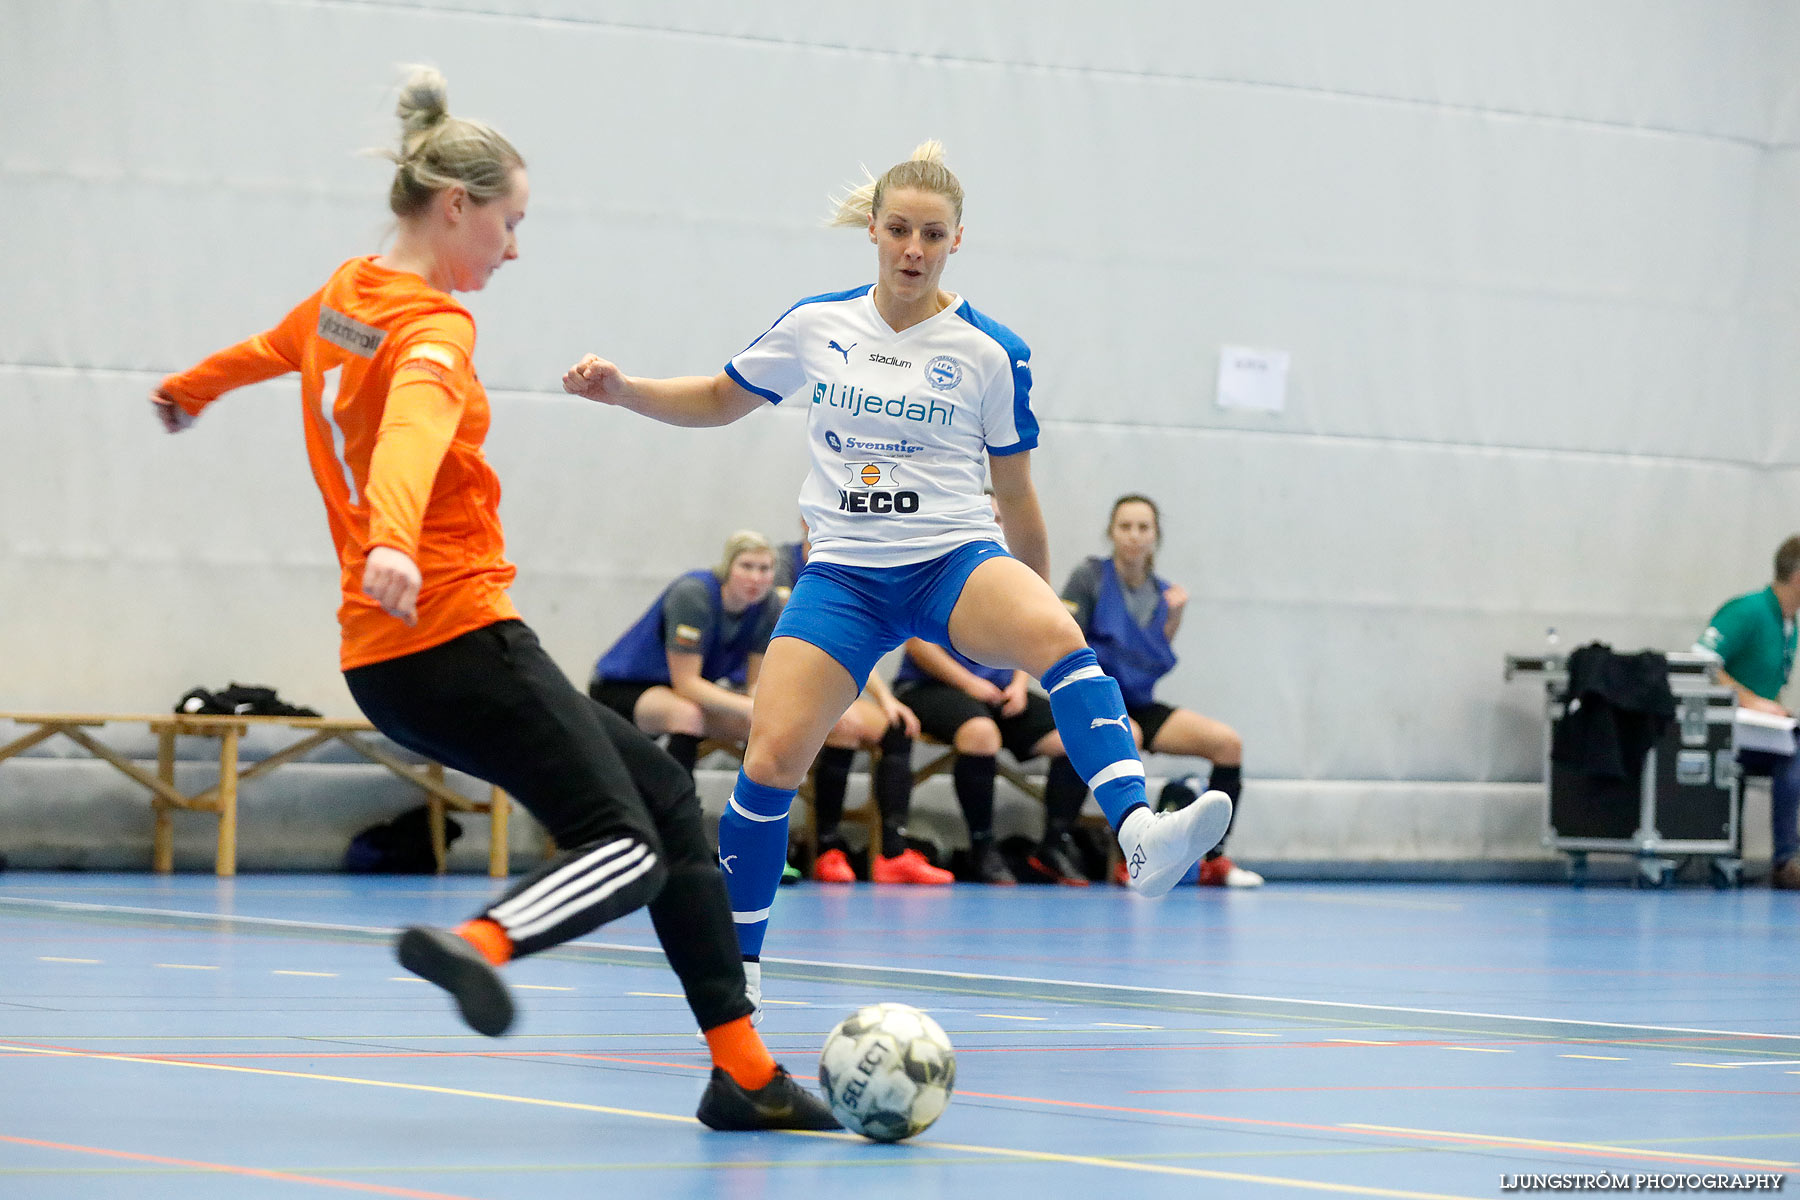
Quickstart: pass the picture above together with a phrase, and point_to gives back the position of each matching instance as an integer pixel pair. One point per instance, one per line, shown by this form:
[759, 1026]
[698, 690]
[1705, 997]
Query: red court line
[227, 1169]
[226, 1054]
[199, 1056]
[1455, 1087]
[1460, 1139]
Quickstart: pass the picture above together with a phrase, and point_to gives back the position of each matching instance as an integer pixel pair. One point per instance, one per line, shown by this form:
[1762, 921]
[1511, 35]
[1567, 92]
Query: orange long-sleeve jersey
[395, 418]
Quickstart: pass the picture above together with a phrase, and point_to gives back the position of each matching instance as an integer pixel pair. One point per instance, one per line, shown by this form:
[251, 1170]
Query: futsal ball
[887, 1071]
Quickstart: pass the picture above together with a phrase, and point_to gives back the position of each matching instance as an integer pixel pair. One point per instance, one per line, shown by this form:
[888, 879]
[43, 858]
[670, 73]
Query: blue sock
[1090, 714]
[753, 839]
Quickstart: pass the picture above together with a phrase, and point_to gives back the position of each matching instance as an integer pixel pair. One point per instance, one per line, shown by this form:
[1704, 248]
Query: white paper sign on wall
[1253, 379]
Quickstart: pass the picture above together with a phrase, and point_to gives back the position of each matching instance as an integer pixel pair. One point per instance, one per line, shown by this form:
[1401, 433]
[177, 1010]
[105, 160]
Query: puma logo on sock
[1121, 722]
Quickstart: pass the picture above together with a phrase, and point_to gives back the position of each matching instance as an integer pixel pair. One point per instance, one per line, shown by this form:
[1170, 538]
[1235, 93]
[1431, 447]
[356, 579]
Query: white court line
[971, 976]
[1732, 1066]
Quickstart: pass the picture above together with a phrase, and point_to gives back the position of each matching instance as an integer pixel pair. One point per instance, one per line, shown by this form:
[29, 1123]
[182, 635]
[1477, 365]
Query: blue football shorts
[858, 614]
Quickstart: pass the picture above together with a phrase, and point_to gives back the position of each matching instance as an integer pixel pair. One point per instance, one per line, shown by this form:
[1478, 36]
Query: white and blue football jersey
[899, 424]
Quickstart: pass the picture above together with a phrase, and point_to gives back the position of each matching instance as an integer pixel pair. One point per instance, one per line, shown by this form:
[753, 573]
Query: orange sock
[487, 937]
[740, 1052]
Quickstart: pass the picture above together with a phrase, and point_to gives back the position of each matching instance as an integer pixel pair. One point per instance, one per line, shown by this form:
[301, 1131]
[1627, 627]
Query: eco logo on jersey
[943, 372]
[872, 488]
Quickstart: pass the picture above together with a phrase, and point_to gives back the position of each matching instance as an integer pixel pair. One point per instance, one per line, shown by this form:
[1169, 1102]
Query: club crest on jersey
[943, 372]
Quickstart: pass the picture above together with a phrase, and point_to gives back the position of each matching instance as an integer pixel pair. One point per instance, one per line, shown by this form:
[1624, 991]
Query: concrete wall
[1534, 262]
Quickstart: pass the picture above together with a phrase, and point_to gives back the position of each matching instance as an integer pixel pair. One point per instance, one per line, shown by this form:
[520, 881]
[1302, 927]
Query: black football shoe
[453, 964]
[779, 1104]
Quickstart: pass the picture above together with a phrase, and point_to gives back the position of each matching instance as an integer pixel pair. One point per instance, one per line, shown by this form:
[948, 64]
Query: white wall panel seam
[1076, 428]
[938, 58]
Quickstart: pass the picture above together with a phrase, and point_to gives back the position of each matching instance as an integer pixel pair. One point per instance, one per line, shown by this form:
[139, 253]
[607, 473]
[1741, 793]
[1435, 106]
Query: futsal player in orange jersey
[433, 650]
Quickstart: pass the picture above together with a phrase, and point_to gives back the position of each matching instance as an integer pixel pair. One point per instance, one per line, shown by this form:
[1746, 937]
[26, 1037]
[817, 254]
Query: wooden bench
[1010, 772]
[868, 813]
[221, 798]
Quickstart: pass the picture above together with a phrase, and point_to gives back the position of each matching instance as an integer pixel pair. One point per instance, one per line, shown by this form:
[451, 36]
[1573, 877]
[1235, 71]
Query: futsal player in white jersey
[913, 397]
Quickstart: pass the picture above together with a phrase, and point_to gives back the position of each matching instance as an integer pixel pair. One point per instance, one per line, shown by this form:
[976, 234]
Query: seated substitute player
[978, 710]
[878, 722]
[1130, 615]
[433, 650]
[910, 393]
[710, 625]
[1753, 636]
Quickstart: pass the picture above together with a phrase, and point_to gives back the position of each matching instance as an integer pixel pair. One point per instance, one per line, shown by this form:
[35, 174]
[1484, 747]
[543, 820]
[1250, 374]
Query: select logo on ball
[887, 1071]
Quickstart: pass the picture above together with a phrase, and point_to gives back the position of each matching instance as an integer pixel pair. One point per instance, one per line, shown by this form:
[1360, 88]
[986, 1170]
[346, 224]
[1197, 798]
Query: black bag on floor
[401, 846]
[240, 700]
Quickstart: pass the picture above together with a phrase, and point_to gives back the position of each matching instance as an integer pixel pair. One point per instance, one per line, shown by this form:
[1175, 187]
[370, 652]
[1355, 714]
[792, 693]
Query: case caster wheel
[1726, 874]
[1654, 873]
[1578, 869]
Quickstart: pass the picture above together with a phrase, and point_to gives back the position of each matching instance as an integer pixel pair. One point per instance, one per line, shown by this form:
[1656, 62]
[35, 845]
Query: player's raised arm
[692, 401]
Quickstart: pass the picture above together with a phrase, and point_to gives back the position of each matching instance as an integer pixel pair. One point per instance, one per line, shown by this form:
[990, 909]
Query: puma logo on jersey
[843, 350]
[725, 862]
[1122, 722]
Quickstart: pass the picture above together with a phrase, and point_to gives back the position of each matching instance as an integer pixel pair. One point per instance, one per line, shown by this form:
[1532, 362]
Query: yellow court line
[405, 979]
[790, 1003]
[1356, 1042]
[1248, 1033]
[186, 966]
[1476, 1049]
[1112, 1164]
[659, 995]
[1122, 1025]
[54, 958]
[1010, 1017]
[1708, 1066]
[308, 974]
[1546, 1144]
[540, 987]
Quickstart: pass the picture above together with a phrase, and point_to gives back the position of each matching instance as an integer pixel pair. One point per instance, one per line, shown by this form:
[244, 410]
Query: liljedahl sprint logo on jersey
[873, 488]
[855, 402]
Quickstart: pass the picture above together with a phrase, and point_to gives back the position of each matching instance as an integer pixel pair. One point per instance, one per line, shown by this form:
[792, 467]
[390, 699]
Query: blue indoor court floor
[197, 1038]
